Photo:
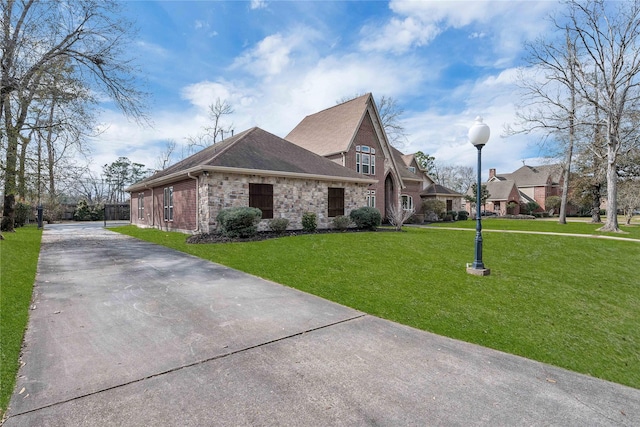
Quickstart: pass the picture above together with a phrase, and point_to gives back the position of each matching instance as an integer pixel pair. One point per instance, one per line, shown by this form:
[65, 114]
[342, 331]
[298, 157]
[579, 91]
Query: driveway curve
[124, 332]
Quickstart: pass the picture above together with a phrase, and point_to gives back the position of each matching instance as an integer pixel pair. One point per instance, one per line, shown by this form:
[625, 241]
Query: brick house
[527, 184]
[534, 183]
[351, 134]
[254, 168]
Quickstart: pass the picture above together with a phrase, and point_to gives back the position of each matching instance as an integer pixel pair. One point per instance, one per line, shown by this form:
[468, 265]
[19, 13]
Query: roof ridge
[238, 137]
[368, 94]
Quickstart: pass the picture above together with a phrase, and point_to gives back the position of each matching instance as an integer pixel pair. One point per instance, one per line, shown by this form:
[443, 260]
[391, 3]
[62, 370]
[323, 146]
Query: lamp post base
[479, 271]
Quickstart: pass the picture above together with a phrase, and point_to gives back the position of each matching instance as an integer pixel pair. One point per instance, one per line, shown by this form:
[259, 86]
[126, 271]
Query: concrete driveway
[127, 333]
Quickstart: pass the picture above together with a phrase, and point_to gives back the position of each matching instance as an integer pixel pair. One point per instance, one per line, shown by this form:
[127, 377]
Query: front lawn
[18, 262]
[546, 225]
[572, 302]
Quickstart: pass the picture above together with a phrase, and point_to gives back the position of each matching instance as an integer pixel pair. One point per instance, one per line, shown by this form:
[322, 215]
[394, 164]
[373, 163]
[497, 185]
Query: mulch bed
[266, 235]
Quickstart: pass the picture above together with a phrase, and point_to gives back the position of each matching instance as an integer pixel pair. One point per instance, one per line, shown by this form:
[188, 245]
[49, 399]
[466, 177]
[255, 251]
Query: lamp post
[478, 136]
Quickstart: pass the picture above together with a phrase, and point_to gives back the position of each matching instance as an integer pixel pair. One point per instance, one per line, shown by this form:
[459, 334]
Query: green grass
[572, 302]
[18, 262]
[574, 227]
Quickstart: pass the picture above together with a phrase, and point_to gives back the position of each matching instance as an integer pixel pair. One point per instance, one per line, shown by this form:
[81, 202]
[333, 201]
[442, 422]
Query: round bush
[366, 218]
[278, 225]
[341, 222]
[239, 222]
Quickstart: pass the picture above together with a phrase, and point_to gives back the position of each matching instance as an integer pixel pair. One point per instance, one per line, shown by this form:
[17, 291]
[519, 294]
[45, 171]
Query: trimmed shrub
[366, 218]
[23, 212]
[463, 215]
[309, 221]
[278, 225]
[452, 214]
[239, 222]
[435, 206]
[341, 222]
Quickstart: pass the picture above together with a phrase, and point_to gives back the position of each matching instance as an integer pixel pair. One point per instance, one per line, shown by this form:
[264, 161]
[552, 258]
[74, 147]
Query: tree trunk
[612, 190]
[51, 153]
[21, 188]
[9, 209]
[595, 204]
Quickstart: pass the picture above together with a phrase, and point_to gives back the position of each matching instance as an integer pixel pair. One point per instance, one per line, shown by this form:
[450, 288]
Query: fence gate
[118, 211]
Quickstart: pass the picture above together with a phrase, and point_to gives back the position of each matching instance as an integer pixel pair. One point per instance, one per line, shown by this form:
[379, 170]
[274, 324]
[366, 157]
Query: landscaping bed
[217, 237]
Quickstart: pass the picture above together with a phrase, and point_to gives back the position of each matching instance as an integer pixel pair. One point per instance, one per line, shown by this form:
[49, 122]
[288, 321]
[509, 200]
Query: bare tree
[390, 116]
[217, 129]
[397, 215]
[549, 103]
[165, 158]
[608, 38]
[36, 36]
[455, 177]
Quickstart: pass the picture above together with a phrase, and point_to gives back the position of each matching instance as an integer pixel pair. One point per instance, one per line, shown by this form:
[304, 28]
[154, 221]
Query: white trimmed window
[365, 160]
[371, 198]
[168, 204]
[407, 202]
[140, 205]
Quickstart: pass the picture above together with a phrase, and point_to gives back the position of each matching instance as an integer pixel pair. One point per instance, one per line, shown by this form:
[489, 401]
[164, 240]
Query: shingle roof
[257, 149]
[499, 190]
[404, 171]
[330, 131]
[532, 176]
[437, 189]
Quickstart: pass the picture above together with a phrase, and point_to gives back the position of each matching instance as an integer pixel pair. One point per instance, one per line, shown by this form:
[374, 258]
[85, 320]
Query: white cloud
[258, 4]
[418, 23]
[400, 35]
[273, 54]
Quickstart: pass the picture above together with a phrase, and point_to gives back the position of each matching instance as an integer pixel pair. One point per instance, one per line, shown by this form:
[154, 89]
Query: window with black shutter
[336, 202]
[261, 197]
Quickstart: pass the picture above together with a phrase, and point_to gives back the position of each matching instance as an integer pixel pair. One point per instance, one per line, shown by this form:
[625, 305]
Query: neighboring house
[254, 168]
[502, 195]
[452, 199]
[535, 183]
[527, 184]
[351, 134]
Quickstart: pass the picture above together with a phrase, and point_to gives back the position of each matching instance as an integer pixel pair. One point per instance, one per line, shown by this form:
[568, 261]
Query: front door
[388, 194]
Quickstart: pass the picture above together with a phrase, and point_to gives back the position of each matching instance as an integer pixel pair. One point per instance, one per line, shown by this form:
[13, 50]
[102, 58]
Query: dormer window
[412, 169]
[365, 160]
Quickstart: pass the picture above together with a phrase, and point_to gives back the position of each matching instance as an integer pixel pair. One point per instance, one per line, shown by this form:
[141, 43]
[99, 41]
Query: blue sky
[445, 62]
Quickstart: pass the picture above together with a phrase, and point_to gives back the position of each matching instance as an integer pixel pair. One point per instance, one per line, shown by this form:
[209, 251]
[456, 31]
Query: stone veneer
[292, 197]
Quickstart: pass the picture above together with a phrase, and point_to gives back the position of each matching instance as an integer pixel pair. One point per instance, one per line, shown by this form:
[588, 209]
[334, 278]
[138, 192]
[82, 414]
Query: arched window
[407, 202]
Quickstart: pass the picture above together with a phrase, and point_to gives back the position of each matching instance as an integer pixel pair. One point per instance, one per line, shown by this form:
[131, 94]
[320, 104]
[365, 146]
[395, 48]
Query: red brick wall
[146, 220]
[366, 135]
[184, 207]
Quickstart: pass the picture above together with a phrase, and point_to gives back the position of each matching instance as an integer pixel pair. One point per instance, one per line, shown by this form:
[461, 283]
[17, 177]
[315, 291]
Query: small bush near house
[278, 225]
[309, 221]
[366, 218]
[437, 207]
[341, 222]
[453, 214]
[463, 215]
[239, 222]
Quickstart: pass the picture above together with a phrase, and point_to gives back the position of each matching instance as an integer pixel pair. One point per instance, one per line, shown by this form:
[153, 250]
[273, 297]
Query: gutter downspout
[197, 178]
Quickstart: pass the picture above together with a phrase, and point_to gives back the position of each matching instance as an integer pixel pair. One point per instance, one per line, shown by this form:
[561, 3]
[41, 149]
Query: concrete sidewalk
[124, 332]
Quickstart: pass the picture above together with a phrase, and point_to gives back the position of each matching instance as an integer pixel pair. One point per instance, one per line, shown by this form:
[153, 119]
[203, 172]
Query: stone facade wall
[292, 197]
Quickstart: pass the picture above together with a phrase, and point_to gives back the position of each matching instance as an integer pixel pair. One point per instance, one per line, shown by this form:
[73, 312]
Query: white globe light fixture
[478, 136]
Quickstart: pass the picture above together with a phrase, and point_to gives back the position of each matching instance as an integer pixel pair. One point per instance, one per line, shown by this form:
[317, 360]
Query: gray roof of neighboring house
[330, 131]
[499, 190]
[533, 176]
[439, 190]
[256, 149]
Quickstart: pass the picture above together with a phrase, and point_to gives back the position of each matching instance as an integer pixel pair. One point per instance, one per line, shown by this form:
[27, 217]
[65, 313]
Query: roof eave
[198, 170]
